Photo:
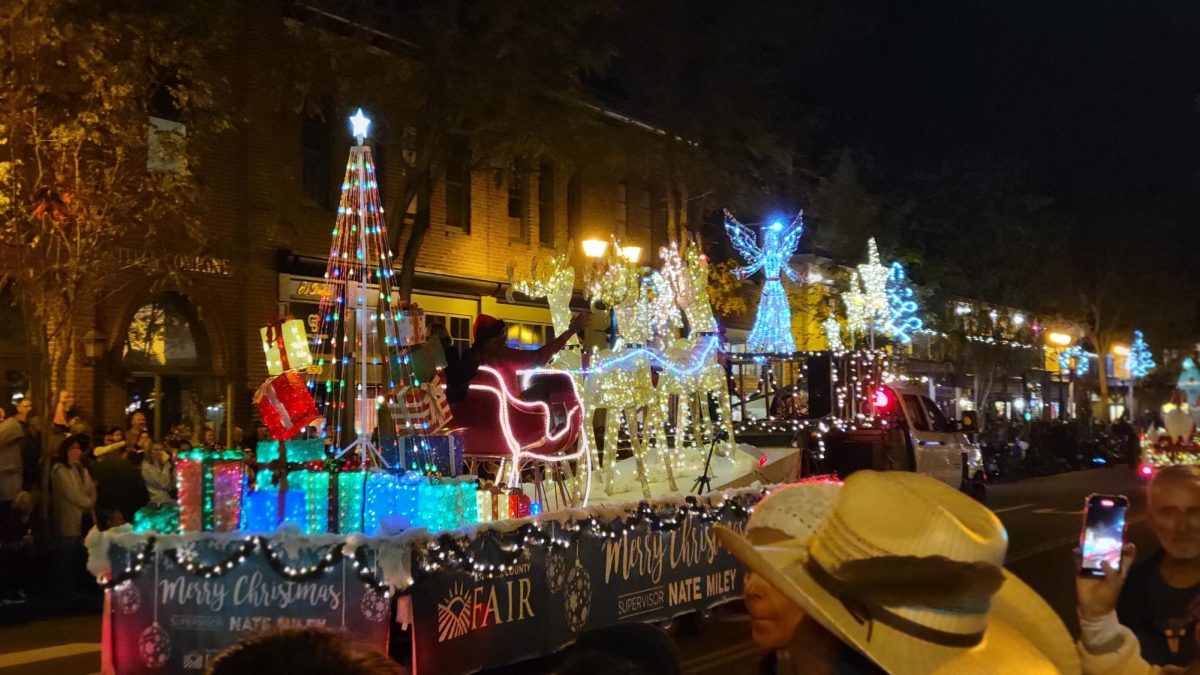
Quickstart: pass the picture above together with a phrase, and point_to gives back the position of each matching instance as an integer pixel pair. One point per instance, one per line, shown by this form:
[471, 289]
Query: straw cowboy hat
[906, 570]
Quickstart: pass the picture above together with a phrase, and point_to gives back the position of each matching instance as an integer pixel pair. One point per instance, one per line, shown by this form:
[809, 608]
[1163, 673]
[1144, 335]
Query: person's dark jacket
[119, 487]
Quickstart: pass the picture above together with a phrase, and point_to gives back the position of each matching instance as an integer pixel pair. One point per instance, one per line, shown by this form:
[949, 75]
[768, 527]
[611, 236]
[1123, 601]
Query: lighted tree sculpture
[902, 320]
[362, 361]
[868, 308]
[772, 331]
[833, 334]
[1140, 361]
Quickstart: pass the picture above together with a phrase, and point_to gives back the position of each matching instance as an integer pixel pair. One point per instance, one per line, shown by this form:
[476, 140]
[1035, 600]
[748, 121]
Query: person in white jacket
[74, 490]
[1105, 646]
[156, 471]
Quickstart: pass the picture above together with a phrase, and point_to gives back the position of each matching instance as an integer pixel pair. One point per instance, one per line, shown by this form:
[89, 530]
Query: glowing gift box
[313, 485]
[433, 453]
[309, 450]
[285, 404]
[422, 410]
[446, 504]
[423, 362]
[209, 484]
[286, 347]
[410, 326]
[484, 504]
[161, 518]
[351, 486]
[262, 510]
[390, 496]
[519, 503]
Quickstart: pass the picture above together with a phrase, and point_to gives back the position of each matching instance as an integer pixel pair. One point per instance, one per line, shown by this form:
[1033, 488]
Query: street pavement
[1042, 516]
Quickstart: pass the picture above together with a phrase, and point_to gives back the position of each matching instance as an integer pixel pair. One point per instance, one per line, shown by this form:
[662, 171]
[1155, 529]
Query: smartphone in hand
[1103, 533]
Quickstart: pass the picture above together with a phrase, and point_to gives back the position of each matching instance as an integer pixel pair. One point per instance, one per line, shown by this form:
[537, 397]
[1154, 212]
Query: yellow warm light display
[1120, 350]
[552, 280]
[295, 345]
[1060, 339]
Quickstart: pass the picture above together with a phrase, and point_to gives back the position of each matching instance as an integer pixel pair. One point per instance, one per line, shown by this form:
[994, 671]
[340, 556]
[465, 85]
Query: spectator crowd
[54, 490]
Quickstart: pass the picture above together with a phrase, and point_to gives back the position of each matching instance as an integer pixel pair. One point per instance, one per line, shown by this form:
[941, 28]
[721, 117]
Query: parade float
[464, 535]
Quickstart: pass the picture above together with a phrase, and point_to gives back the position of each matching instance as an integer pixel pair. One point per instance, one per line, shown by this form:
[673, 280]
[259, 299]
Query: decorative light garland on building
[1075, 359]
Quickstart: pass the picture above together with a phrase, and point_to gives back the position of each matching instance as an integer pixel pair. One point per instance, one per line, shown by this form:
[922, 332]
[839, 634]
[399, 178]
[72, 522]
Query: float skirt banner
[168, 621]
[463, 622]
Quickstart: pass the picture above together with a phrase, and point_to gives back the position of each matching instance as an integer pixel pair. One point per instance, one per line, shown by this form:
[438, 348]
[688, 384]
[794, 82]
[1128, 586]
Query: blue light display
[772, 331]
[1140, 361]
[1080, 357]
[902, 320]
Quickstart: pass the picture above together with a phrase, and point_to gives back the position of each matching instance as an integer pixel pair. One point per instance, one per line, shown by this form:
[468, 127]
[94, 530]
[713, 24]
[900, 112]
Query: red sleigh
[500, 426]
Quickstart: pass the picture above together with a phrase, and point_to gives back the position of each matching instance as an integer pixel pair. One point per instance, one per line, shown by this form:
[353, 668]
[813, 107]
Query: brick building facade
[270, 187]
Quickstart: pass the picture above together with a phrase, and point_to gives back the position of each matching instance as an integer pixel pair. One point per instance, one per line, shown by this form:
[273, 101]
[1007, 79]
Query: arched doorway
[18, 363]
[167, 358]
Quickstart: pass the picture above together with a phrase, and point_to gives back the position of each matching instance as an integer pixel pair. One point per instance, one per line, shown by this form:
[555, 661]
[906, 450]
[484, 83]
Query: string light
[505, 545]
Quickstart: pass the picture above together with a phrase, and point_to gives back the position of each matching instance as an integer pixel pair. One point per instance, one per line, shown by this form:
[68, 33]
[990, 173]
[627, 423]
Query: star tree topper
[359, 124]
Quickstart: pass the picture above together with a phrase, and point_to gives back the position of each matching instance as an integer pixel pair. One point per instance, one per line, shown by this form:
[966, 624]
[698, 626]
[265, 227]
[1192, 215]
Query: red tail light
[1146, 470]
[882, 399]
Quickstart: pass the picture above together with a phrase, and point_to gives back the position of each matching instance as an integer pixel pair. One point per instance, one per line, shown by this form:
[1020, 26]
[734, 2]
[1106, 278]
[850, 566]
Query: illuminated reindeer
[554, 282]
[619, 380]
[692, 371]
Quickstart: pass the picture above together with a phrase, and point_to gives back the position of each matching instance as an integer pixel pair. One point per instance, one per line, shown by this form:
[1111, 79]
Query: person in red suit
[491, 349]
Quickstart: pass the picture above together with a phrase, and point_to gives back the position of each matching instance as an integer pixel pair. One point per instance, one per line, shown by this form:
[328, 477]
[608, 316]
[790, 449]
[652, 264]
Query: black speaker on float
[820, 384]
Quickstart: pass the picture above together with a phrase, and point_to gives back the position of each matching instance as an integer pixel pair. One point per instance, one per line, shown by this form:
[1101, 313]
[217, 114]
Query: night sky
[1099, 99]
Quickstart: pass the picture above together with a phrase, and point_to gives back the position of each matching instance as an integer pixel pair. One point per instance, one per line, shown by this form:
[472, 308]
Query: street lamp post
[594, 250]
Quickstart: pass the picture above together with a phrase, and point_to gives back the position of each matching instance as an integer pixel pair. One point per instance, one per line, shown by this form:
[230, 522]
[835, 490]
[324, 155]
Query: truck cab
[911, 434]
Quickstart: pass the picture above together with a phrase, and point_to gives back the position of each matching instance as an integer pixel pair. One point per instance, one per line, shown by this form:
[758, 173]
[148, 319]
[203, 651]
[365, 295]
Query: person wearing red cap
[491, 349]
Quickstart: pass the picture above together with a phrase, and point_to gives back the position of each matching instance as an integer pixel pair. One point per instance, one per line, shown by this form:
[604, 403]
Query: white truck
[910, 433]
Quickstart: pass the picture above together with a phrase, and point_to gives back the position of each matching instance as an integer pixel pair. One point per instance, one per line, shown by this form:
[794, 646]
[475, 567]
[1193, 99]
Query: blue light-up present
[261, 510]
[446, 504]
[432, 453]
[392, 497]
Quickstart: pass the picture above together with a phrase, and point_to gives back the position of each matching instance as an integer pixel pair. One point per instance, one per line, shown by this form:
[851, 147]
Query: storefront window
[160, 335]
[529, 335]
[168, 369]
[459, 327]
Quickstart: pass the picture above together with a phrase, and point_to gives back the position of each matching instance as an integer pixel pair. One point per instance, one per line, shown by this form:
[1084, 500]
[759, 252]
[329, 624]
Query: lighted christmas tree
[772, 331]
[833, 334]
[363, 363]
[868, 307]
[902, 320]
[1140, 361]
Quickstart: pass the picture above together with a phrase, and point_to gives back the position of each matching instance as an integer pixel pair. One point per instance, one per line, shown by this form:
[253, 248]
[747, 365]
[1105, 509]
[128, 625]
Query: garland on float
[450, 551]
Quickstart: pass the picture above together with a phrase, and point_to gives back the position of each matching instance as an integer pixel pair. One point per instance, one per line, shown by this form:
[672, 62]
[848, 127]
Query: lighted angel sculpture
[772, 331]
